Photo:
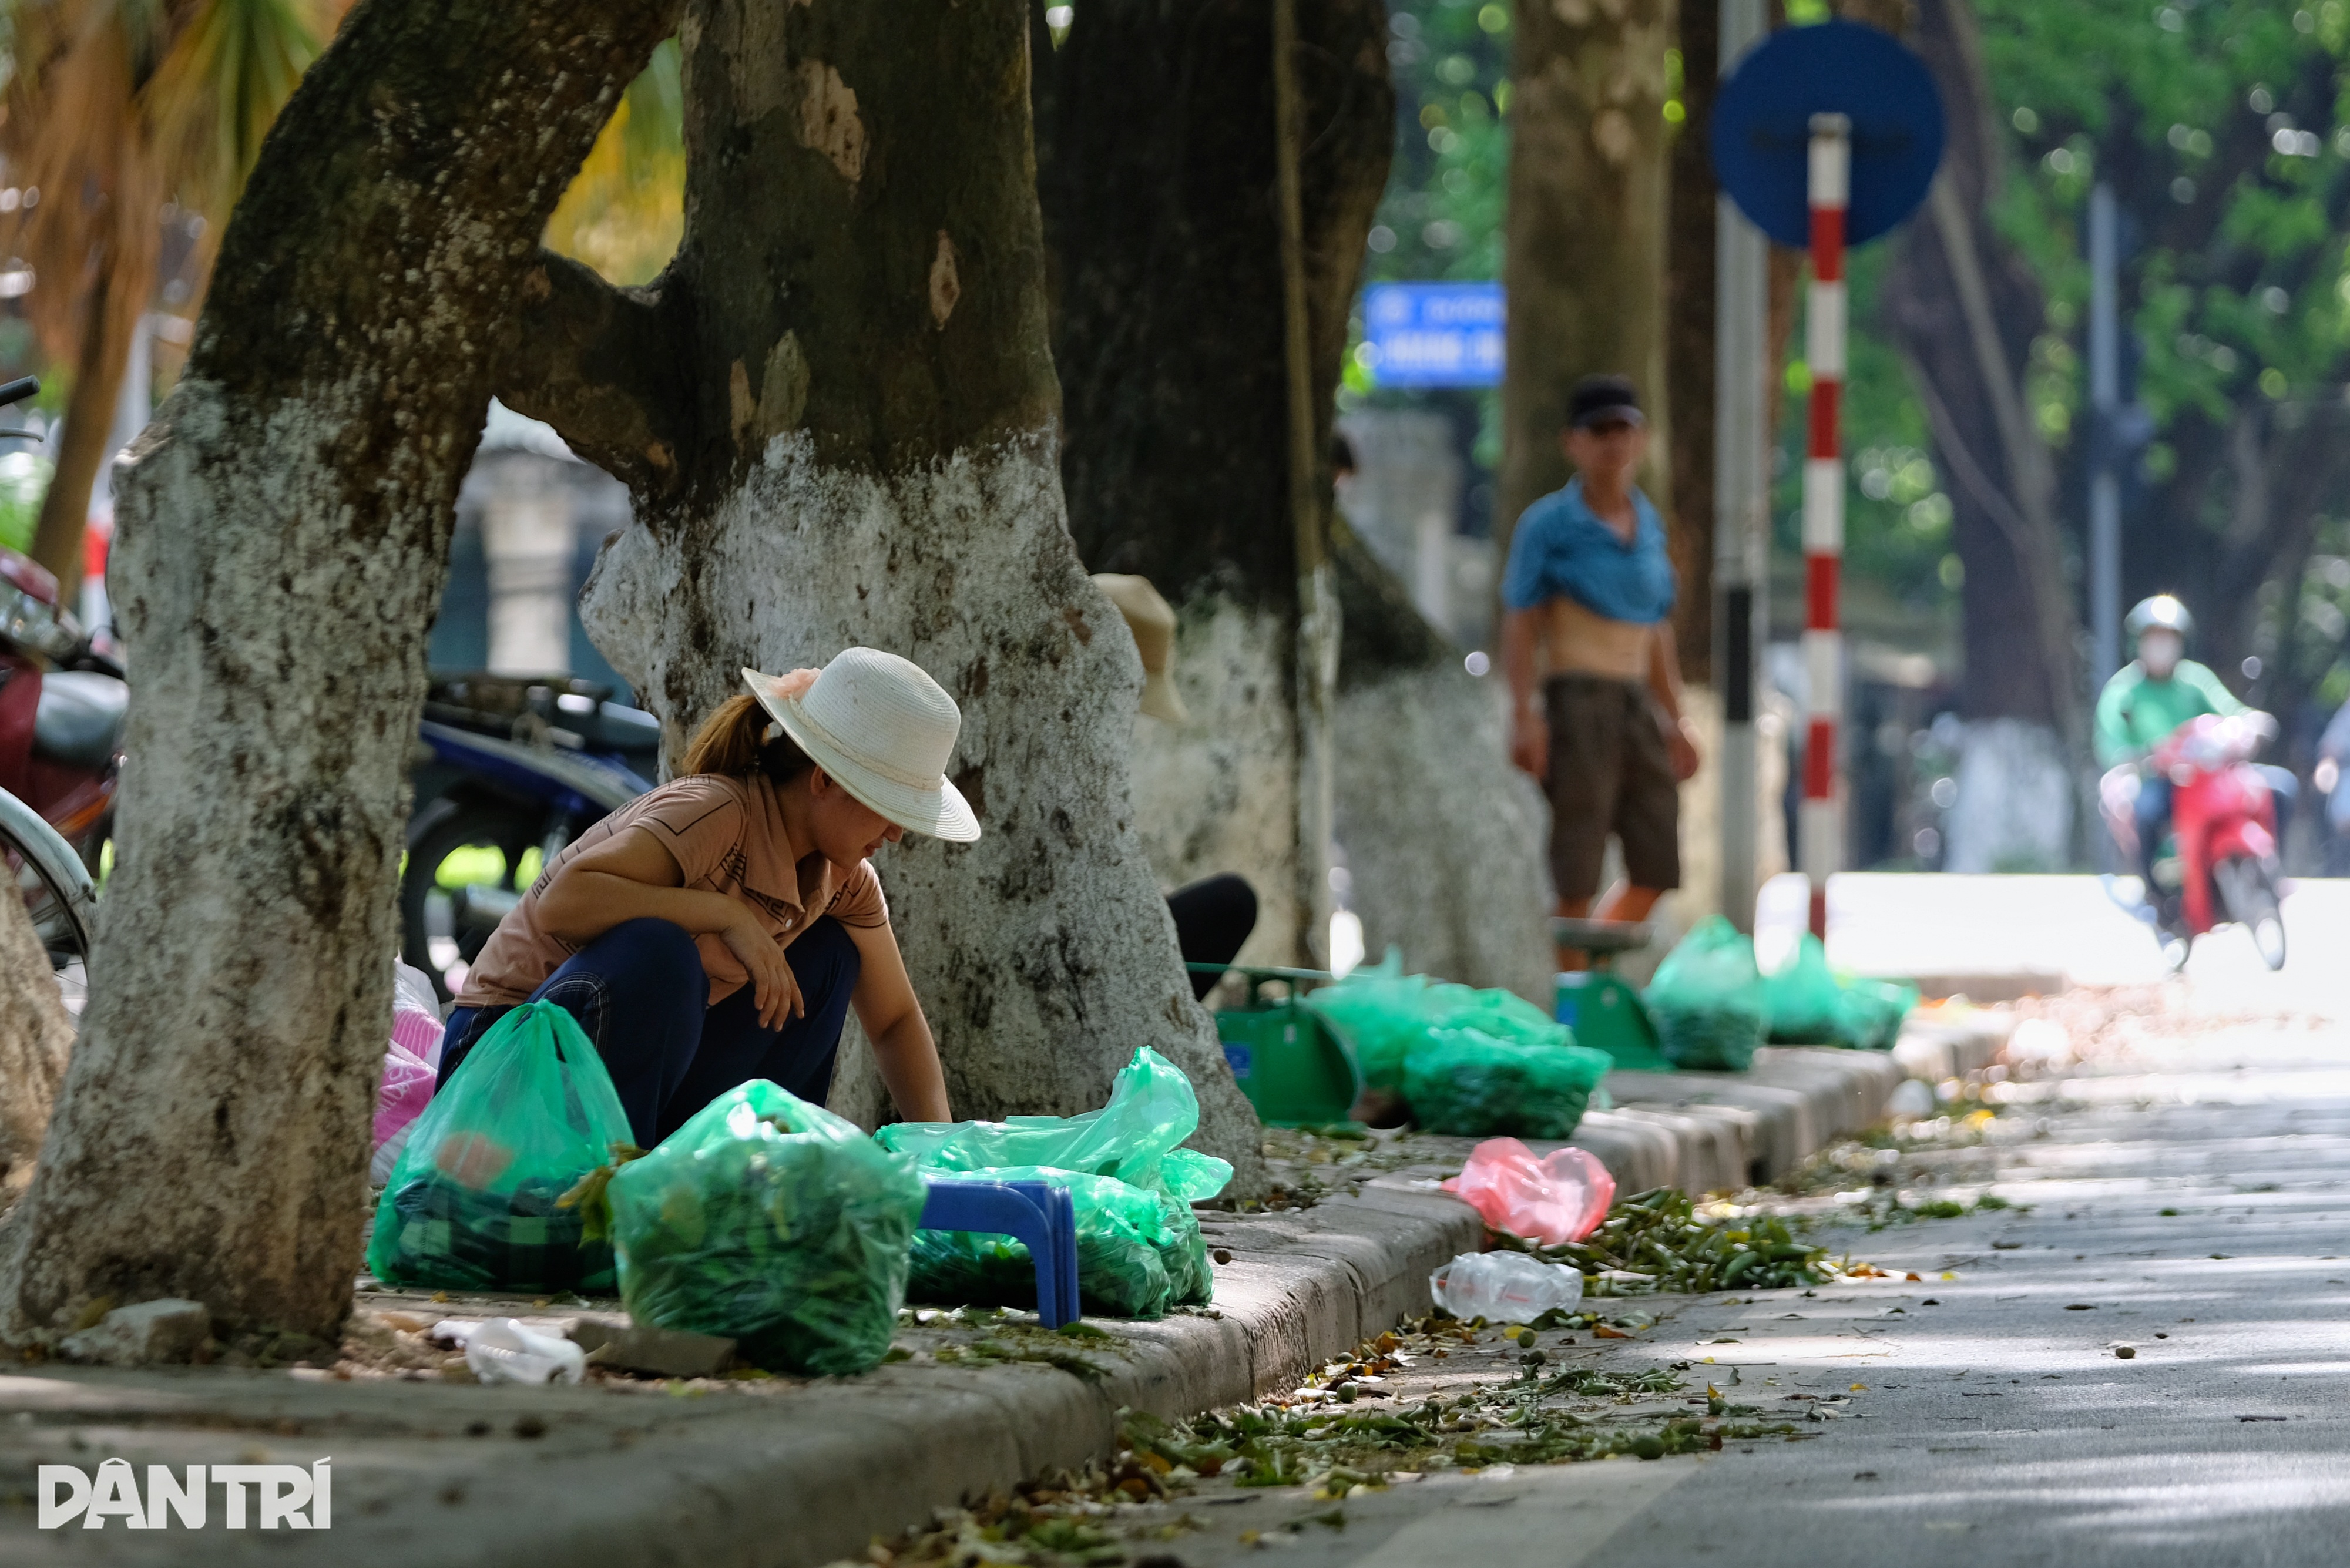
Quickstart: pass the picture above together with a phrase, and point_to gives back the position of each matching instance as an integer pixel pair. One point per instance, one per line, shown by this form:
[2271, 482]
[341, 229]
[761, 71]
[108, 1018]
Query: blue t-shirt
[1563, 549]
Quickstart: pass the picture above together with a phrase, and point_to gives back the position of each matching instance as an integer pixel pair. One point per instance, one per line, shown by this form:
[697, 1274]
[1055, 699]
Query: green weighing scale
[1602, 1008]
[1294, 1067]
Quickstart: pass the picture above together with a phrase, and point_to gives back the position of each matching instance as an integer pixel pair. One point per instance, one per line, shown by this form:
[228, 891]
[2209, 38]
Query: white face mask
[2159, 651]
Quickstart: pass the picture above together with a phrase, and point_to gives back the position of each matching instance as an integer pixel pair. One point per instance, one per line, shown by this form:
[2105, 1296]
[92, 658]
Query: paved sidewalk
[781, 1472]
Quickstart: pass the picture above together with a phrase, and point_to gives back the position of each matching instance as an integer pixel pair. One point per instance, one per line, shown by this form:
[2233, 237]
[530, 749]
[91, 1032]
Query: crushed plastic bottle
[1504, 1287]
[503, 1351]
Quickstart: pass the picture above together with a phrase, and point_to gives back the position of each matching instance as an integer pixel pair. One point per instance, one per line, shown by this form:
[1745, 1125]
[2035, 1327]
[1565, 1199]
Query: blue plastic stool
[1036, 1213]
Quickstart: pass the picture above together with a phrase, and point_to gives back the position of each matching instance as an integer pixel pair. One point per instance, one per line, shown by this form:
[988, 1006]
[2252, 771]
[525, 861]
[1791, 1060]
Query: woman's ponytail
[735, 739]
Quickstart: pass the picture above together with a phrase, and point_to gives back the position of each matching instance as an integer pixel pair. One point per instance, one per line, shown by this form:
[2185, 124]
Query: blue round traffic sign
[1763, 128]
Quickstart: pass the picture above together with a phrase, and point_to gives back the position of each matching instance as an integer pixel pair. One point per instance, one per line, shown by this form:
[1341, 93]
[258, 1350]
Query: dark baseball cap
[1603, 400]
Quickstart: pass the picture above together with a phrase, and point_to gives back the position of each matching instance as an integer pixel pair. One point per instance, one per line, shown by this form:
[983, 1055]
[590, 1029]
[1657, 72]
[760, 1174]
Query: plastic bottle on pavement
[1504, 1287]
[503, 1351]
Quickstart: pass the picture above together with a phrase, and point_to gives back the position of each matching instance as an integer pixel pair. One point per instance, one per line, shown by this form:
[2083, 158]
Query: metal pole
[1741, 501]
[1317, 597]
[1822, 823]
[2105, 400]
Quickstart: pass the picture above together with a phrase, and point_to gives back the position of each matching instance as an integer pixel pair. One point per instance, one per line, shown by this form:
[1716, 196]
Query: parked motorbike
[509, 770]
[2219, 865]
[62, 704]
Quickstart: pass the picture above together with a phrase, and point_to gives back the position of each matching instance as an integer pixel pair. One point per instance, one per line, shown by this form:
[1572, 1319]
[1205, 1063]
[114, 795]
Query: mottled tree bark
[860, 446]
[1169, 336]
[285, 524]
[1168, 342]
[1689, 272]
[1585, 258]
[117, 298]
[37, 1037]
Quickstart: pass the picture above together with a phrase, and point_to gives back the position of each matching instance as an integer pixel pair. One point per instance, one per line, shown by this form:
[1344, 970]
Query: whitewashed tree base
[1444, 838]
[2014, 810]
[37, 1036]
[1220, 793]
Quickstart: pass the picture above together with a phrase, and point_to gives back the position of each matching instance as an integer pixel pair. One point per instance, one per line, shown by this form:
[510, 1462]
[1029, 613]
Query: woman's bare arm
[892, 1016]
[630, 876]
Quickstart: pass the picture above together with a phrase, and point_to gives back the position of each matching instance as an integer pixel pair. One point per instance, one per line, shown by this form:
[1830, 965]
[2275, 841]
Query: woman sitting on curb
[718, 929]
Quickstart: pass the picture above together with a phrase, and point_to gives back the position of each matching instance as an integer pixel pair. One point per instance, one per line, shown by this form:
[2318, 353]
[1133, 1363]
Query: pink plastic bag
[412, 1062]
[1562, 1196]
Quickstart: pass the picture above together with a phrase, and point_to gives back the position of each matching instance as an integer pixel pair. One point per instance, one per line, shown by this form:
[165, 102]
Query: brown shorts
[1609, 773]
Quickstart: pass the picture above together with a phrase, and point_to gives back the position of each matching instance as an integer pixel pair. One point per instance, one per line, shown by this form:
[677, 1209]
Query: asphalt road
[2183, 1197]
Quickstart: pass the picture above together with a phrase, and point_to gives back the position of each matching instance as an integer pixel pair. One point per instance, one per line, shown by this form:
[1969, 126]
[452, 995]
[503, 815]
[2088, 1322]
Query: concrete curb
[784, 1475]
[788, 1476]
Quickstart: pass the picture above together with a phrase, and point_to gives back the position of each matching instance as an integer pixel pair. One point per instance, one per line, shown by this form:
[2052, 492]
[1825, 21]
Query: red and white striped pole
[1821, 826]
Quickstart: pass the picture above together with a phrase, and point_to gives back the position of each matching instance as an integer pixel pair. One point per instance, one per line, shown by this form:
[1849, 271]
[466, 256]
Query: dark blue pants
[639, 994]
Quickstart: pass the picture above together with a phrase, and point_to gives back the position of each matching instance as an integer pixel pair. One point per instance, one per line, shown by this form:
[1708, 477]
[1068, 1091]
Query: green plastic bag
[1810, 1006]
[1139, 1253]
[1467, 1083]
[472, 1204]
[1138, 1247]
[773, 1222]
[1387, 1015]
[1869, 1012]
[1803, 997]
[1707, 999]
[1151, 1110]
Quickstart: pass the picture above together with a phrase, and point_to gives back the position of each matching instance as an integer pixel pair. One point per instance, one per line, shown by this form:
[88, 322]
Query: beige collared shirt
[727, 836]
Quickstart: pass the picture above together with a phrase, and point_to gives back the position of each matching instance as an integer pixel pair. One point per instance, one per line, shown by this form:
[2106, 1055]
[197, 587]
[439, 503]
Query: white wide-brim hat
[883, 730]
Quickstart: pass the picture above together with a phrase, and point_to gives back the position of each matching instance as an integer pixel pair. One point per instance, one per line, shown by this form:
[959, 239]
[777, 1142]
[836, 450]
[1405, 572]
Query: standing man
[1590, 586]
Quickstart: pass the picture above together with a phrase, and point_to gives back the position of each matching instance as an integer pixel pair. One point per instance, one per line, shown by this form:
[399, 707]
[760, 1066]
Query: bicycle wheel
[42, 867]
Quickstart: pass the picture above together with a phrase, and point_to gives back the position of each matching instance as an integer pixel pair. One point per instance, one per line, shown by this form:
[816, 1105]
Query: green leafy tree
[2224, 131]
[112, 110]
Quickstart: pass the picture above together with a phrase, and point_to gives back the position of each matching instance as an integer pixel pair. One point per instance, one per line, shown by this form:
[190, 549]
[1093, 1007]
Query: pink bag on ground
[410, 1064]
[1560, 1198]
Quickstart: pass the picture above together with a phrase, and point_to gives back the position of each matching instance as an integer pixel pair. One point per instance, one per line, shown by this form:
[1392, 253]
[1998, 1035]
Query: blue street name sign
[1763, 128]
[1434, 333]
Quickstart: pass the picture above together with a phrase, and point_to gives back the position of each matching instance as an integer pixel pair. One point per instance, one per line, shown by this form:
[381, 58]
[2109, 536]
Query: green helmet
[2161, 613]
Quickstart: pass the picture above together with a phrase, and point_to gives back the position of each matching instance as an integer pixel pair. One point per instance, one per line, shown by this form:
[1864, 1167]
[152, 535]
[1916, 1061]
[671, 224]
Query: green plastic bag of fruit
[1707, 999]
[1387, 1015]
[474, 1201]
[1467, 1083]
[1802, 997]
[1135, 1137]
[773, 1222]
[1138, 1247]
[1869, 1012]
[1809, 1005]
[1138, 1252]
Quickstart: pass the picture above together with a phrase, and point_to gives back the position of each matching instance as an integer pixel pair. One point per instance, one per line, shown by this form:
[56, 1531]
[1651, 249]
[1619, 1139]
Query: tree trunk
[118, 297]
[1586, 257]
[1966, 309]
[1166, 237]
[285, 524]
[36, 1041]
[1443, 834]
[1690, 275]
[861, 448]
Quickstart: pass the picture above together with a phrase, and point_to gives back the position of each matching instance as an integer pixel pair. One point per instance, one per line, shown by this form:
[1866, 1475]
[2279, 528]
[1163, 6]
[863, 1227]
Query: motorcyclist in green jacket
[2147, 699]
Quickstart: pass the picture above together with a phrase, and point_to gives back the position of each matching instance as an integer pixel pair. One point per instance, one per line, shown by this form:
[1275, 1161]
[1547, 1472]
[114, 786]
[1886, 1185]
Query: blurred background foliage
[625, 213]
[2222, 124]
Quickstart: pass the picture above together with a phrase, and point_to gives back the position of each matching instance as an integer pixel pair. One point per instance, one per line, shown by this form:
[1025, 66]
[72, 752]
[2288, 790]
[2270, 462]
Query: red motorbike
[61, 711]
[2220, 864]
